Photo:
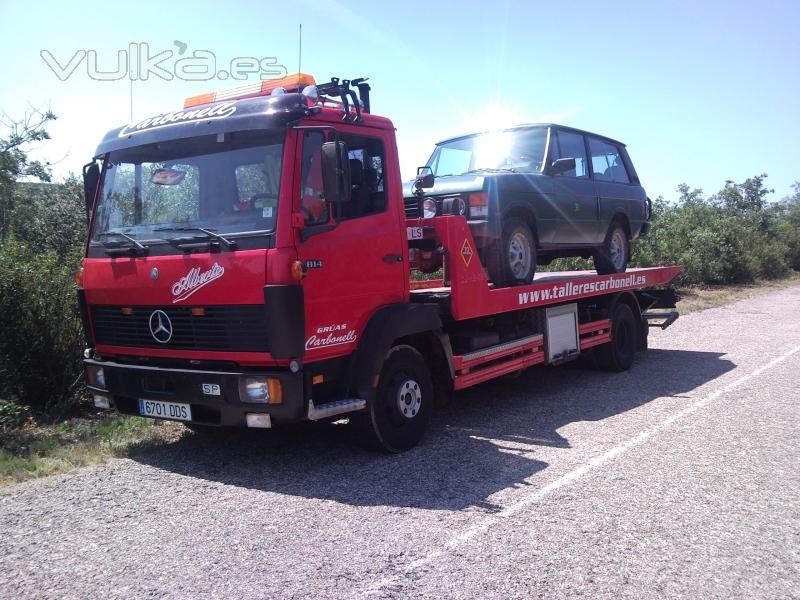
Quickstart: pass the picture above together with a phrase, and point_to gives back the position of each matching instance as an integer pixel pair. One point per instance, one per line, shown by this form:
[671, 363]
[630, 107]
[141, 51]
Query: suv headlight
[429, 208]
[454, 206]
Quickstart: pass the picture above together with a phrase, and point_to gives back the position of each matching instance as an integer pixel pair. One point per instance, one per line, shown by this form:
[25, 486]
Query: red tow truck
[249, 263]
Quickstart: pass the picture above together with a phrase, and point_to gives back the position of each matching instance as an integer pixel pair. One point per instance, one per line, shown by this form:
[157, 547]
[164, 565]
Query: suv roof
[531, 126]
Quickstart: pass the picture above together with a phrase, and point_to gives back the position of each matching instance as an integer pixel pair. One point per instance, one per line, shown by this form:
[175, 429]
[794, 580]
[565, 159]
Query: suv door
[618, 195]
[574, 192]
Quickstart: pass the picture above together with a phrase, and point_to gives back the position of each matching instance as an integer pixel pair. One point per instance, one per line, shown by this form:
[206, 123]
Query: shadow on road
[485, 441]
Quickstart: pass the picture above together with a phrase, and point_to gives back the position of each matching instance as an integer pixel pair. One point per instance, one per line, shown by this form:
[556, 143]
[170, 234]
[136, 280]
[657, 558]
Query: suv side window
[570, 145]
[368, 188]
[607, 164]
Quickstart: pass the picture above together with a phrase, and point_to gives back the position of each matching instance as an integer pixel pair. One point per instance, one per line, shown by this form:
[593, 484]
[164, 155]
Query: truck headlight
[429, 208]
[96, 377]
[263, 390]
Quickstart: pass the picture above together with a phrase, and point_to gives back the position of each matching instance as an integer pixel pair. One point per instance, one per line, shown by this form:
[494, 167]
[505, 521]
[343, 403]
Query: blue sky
[700, 92]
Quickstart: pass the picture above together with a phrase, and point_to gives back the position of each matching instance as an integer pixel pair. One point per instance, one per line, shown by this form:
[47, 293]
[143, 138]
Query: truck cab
[235, 240]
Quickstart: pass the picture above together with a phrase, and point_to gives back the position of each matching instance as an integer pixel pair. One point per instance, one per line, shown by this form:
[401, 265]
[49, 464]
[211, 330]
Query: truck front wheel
[398, 415]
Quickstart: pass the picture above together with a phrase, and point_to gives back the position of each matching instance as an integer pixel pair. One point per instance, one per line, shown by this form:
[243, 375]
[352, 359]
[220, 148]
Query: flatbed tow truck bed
[466, 295]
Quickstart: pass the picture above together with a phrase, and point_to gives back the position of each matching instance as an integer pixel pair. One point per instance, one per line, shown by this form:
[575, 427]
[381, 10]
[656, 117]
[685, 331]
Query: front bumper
[127, 384]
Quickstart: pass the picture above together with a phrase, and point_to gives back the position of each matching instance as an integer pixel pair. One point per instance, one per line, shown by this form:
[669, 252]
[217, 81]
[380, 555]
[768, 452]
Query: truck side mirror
[91, 177]
[562, 165]
[336, 173]
[425, 179]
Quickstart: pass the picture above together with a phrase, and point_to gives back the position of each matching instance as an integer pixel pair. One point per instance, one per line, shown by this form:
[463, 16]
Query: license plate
[165, 410]
[414, 233]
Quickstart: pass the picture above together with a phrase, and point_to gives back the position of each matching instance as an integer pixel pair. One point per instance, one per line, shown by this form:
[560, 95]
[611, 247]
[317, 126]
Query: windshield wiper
[489, 170]
[135, 246]
[229, 244]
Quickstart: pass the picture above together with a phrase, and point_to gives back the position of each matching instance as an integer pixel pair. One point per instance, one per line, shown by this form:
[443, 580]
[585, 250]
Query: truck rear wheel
[619, 353]
[398, 415]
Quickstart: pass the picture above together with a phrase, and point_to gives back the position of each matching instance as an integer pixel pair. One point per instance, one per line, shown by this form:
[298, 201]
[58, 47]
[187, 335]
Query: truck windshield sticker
[194, 280]
[217, 111]
[331, 335]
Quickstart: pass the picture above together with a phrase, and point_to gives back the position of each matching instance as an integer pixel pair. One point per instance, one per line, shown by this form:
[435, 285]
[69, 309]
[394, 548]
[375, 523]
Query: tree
[15, 163]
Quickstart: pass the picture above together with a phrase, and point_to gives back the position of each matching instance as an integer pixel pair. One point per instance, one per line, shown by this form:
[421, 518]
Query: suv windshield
[225, 184]
[518, 150]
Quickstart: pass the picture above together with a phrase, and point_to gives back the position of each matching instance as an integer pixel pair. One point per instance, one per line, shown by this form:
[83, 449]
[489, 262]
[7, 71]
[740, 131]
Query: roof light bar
[293, 83]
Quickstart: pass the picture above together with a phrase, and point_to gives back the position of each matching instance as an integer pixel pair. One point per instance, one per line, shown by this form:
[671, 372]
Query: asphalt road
[679, 479]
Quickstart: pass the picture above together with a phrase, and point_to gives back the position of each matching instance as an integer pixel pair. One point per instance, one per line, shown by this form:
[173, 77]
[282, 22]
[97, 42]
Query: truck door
[355, 263]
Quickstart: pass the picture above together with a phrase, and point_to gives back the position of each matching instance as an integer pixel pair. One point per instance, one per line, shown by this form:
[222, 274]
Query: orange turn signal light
[275, 391]
[198, 312]
[126, 310]
[79, 278]
[298, 270]
[479, 199]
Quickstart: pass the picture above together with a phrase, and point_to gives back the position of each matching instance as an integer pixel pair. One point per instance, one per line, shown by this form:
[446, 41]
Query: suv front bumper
[126, 384]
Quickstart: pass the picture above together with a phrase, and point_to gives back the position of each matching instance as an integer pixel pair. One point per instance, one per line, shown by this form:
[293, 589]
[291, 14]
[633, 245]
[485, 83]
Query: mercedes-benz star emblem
[154, 274]
[160, 326]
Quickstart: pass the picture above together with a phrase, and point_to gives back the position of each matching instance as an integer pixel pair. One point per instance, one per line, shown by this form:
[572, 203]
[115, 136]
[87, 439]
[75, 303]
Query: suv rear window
[607, 164]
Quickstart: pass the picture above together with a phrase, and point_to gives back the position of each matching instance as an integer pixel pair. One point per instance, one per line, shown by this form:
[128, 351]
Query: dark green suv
[533, 193]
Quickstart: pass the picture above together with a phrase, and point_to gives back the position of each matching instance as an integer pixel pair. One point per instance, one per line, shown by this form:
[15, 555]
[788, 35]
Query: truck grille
[232, 328]
[412, 207]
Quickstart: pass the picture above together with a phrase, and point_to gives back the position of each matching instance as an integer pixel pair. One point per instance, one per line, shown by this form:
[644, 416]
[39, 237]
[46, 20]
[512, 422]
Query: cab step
[331, 409]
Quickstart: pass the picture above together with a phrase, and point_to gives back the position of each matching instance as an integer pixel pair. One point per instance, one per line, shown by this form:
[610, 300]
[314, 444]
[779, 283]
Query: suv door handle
[392, 258]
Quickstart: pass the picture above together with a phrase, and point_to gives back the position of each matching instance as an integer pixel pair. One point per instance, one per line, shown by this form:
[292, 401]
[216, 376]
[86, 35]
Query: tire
[397, 417]
[619, 353]
[613, 256]
[512, 259]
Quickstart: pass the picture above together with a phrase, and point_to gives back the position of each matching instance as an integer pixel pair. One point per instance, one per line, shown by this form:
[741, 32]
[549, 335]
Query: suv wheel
[512, 259]
[613, 256]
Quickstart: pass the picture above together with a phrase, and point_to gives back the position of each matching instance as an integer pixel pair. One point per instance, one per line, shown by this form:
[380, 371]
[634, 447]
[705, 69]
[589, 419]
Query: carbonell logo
[218, 111]
[331, 335]
[194, 280]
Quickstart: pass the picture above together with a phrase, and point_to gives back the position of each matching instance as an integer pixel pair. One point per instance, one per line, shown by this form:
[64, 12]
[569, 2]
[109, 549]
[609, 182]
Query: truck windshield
[225, 184]
[518, 150]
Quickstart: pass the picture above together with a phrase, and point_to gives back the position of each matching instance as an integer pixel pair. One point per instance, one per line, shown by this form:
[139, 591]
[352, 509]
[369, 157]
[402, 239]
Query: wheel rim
[519, 255]
[616, 249]
[408, 398]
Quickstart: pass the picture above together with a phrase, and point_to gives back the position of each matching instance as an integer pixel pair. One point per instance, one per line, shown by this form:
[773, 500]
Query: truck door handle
[392, 258]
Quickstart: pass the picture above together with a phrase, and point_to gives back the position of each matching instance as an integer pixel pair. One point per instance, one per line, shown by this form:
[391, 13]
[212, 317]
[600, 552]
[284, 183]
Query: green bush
[42, 341]
[733, 236]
